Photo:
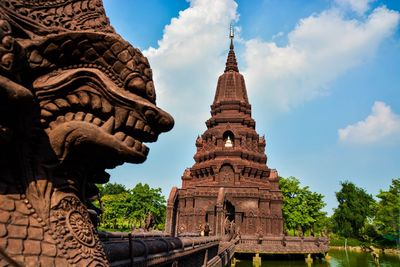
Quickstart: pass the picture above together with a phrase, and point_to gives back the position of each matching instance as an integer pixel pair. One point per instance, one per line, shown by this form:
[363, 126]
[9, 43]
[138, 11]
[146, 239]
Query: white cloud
[190, 56]
[381, 125]
[358, 6]
[319, 49]
[192, 52]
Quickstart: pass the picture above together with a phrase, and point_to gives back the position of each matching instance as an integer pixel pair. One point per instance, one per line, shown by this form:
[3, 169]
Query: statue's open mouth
[81, 116]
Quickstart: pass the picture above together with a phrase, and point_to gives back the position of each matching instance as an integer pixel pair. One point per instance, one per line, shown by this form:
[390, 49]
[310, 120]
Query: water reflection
[339, 258]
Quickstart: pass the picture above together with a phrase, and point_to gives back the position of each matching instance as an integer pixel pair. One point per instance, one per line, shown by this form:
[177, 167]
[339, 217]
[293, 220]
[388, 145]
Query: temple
[229, 185]
[77, 99]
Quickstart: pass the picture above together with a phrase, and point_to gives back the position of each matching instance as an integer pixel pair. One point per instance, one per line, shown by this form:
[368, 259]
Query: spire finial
[231, 35]
[231, 64]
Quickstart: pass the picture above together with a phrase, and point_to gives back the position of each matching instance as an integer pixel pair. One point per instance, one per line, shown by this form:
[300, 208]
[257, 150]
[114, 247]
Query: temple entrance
[174, 223]
[229, 210]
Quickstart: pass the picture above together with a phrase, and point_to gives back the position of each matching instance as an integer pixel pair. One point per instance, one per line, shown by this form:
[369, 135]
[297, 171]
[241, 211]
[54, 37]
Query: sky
[323, 78]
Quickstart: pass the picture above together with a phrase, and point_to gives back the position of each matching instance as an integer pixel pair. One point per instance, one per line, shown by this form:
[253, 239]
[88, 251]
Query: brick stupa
[230, 180]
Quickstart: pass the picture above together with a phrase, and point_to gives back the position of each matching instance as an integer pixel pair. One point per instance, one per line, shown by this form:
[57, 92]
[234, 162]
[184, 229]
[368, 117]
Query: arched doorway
[229, 210]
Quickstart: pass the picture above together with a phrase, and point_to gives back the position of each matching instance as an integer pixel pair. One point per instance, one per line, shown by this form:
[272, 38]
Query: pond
[340, 258]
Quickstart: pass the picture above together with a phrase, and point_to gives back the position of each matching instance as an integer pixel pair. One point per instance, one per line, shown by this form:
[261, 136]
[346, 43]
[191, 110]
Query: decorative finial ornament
[231, 64]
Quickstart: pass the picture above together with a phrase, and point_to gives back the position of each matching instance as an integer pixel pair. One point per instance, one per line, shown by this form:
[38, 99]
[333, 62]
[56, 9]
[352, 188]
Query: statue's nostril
[150, 116]
[165, 121]
[159, 120]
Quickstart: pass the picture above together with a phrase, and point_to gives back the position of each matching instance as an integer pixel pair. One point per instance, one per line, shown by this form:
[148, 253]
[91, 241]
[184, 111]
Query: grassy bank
[362, 246]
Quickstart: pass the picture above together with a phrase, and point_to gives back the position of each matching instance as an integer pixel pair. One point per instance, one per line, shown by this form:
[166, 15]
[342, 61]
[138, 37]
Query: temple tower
[230, 180]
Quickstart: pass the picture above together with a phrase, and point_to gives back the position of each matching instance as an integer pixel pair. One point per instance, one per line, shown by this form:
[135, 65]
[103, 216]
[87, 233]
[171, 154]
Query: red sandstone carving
[230, 179]
[75, 98]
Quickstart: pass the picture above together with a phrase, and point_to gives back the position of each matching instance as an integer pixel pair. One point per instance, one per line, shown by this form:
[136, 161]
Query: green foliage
[387, 217]
[301, 207]
[125, 209]
[340, 241]
[111, 189]
[355, 207]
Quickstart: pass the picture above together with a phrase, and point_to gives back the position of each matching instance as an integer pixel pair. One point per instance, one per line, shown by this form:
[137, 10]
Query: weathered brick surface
[17, 231]
[34, 222]
[4, 216]
[21, 208]
[47, 261]
[14, 246]
[3, 230]
[7, 204]
[59, 261]
[35, 233]
[49, 249]
[32, 261]
[20, 219]
[3, 243]
[32, 247]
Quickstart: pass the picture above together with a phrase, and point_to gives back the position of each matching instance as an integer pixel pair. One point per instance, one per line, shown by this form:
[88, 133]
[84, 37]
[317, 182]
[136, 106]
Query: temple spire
[231, 36]
[231, 63]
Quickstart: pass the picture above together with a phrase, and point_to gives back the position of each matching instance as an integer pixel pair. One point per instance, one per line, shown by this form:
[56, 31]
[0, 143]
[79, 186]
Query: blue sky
[322, 76]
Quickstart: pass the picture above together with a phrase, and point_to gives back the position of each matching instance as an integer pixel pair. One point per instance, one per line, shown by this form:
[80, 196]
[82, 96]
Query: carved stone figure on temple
[75, 99]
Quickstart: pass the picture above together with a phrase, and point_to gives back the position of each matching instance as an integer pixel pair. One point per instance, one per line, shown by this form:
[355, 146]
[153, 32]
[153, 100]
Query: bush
[340, 241]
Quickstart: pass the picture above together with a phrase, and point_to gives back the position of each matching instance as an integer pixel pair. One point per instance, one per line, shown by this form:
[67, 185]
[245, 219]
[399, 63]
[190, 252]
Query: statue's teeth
[131, 121]
[61, 103]
[120, 136]
[60, 119]
[73, 99]
[138, 146]
[120, 116]
[45, 113]
[69, 116]
[129, 141]
[84, 98]
[139, 125]
[147, 129]
[53, 125]
[88, 117]
[51, 107]
[96, 102]
[79, 116]
[96, 121]
[108, 126]
[107, 108]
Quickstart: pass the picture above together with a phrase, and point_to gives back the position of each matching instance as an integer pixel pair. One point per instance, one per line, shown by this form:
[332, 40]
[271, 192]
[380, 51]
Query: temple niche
[229, 185]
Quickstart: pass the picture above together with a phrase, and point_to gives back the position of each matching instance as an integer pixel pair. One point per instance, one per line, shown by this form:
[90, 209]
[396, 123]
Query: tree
[355, 207]
[387, 218]
[150, 200]
[301, 207]
[129, 208]
[111, 189]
